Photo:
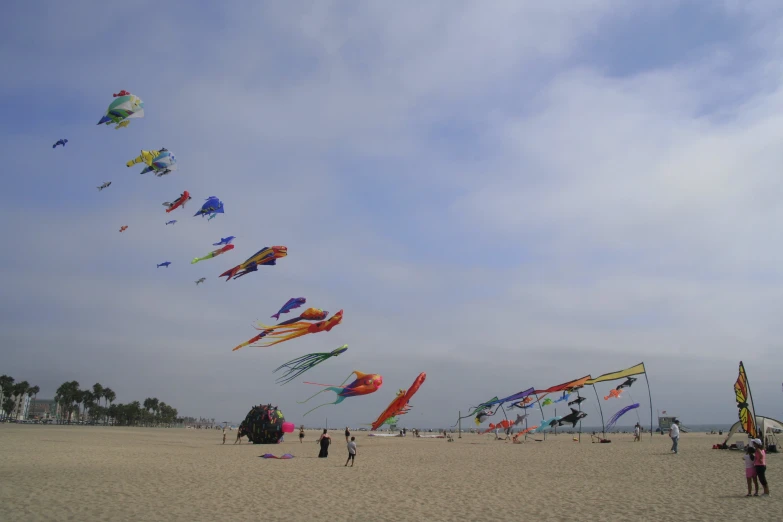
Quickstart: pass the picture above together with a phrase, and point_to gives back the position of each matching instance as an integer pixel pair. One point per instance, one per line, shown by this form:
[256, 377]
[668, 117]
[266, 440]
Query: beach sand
[80, 473]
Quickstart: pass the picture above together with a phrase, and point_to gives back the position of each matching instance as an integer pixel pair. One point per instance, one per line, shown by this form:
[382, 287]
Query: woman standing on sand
[301, 433]
[324, 440]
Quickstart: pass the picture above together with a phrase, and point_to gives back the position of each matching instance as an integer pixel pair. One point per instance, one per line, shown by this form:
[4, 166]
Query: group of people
[756, 467]
[325, 440]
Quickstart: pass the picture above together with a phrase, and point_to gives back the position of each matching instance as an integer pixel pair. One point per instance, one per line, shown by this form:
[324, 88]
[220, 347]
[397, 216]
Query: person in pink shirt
[750, 469]
[760, 461]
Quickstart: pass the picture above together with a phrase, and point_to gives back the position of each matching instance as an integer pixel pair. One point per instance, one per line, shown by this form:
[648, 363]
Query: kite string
[639, 419]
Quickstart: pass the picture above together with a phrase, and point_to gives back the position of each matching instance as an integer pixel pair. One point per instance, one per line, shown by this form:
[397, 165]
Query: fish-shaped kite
[298, 366]
[104, 185]
[212, 254]
[211, 207]
[200, 280]
[179, 202]
[613, 394]
[311, 314]
[627, 384]
[125, 107]
[165, 263]
[171, 222]
[578, 400]
[294, 302]
[267, 256]
[545, 425]
[573, 417]
[123, 228]
[364, 384]
[400, 406]
[161, 162]
[564, 397]
[520, 418]
[287, 332]
[224, 241]
[62, 142]
[546, 402]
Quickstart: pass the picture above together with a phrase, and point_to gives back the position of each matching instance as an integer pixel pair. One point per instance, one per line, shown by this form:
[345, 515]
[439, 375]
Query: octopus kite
[298, 366]
[400, 406]
[267, 256]
[285, 332]
[364, 384]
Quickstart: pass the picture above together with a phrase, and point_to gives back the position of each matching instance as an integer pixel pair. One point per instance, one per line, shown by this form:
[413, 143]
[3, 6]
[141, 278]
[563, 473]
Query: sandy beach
[105, 473]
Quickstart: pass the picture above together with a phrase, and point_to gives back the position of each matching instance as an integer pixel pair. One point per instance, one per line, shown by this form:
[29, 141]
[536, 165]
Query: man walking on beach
[674, 433]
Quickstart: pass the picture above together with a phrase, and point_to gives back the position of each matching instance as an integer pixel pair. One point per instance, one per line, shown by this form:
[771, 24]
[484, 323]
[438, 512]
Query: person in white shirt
[351, 451]
[674, 433]
[637, 433]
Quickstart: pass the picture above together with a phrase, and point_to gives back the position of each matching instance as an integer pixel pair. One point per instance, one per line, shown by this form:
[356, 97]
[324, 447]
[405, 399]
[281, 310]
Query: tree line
[74, 404]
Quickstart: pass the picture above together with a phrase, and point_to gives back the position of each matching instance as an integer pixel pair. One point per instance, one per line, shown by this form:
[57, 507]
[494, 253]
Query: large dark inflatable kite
[265, 424]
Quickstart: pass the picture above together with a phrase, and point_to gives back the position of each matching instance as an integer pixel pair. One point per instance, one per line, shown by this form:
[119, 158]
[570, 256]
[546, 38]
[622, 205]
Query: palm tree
[97, 392]
[86, 399]
[32, 392]
[6, 389]
[109, 395]
[20, 389]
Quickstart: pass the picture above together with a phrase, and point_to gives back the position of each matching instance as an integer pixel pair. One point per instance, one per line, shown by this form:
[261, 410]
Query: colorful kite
[747, 414]
[287, 332]
[270, 456]
[179, 202]
[545, 425]
[364, 384]
[400, 406]
[123, 228]
[161, 162]
[298, 366]
[564, 397]
[267, 256]
[211, 207]
[546, 402]
[311, 314]
[613, 394]
[212, 254]
[619, 414]
[294, 302]
[125, 107]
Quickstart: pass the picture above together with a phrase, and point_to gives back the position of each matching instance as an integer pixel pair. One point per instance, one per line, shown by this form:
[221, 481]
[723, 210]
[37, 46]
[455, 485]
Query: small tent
[767, 426]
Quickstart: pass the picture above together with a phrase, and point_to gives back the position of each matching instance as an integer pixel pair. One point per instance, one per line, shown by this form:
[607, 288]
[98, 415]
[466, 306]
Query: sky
[501, 195]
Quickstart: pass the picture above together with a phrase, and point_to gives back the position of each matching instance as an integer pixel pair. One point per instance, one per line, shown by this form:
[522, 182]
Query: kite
[104, 185]
[62, 142]
[123, 228]
[298, 366]
[294, 302]
[311, 314]
[613, 393]
[165, 263]
[212, 206]
[201, 280]
[627, 384]
[520, 418]
[483, 415]
[270, 456]
[546, 402]
[563, 398]
[747, 415]
[578, 400]
[364, 384]
[211, 217]
[504, 424]
[224, 241]
[171, 222]
[161, 162]
[179, 202]
[125, 107]
[523, 404]
[573, 417]
[267, 256]
[212, 254]
[619, 414]
[292, 331]
[400, 406]
[545, 425]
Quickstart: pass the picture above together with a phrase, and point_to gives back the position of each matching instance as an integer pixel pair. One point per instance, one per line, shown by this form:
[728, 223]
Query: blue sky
[501, 195]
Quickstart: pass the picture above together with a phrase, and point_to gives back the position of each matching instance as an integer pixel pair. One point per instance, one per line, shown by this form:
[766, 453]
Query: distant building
[20, 409]
[42, 409]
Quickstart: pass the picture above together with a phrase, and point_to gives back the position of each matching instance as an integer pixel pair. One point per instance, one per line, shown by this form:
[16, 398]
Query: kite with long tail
[400, 406]
[364, 384]
[311, 314]
[619, 414]
[298, 366]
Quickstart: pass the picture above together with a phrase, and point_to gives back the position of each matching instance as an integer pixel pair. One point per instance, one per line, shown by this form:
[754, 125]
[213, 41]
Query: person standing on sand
[760, 462]
[347, 434]
[750, 469]
[674, 433]
[224, 436]
[324, 441]
[301, 433]
[351, 451]
[240, 432]
[637, 433]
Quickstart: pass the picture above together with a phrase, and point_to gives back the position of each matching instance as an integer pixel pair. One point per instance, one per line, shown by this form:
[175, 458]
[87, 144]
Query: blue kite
[171, 222]
[62, 142]
[211, 207]
[165, 263]
[225, 241]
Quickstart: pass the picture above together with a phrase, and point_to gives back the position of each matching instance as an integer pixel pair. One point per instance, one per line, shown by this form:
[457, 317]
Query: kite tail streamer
[620, 413]
[340, 399]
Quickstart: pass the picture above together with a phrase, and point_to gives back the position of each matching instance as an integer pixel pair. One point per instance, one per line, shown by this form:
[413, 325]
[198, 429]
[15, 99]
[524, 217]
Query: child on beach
[750, 469]
[351, 451]
[760, 461]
